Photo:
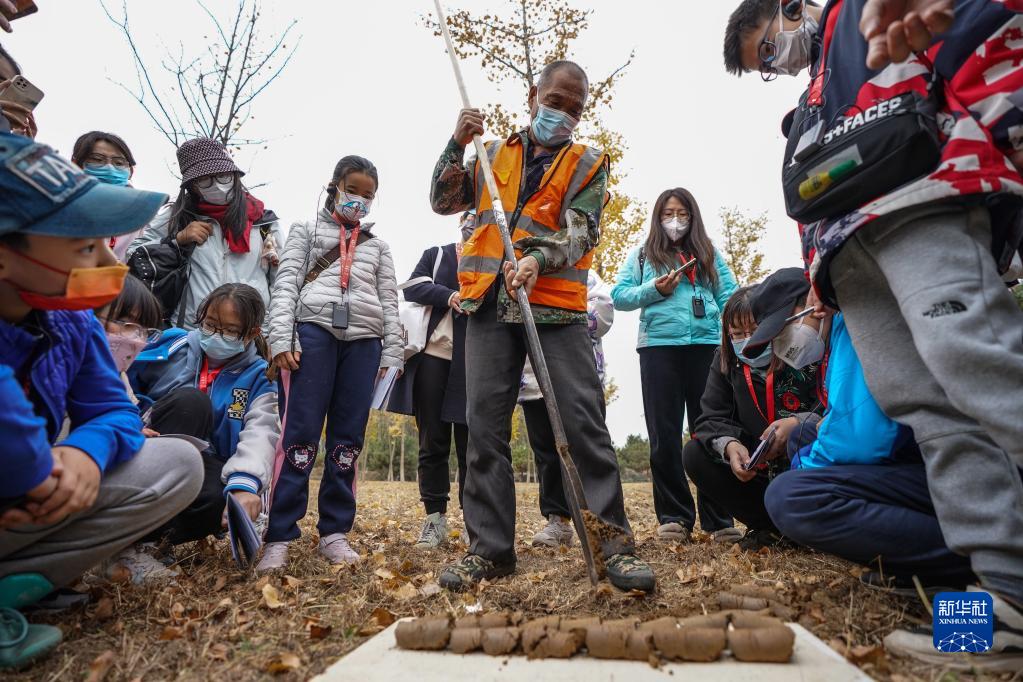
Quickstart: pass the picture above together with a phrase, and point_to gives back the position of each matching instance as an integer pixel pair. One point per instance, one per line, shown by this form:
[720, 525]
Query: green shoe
[629, 572]
[23, 589]
[471, 569]
[21, 643]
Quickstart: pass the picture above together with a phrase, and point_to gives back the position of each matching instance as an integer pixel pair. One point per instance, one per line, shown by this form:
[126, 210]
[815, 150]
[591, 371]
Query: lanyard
[822, 378]
[347, 253]
[753, 394]
[207, 376]
[691, 272]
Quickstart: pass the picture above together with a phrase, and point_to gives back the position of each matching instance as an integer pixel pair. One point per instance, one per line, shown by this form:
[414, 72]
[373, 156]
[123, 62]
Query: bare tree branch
[212, 93]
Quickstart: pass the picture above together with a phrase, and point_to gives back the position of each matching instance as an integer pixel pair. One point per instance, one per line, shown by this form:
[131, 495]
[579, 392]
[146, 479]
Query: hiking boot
[434, 533]
[336, 550]
[903, 586]
[672, 532]
[727, 536]
[759, 538]
[471, 569]
[22, 643]
[558, 531]
[275, 557]
[629, 572]
[1005, 654]
[141, 565]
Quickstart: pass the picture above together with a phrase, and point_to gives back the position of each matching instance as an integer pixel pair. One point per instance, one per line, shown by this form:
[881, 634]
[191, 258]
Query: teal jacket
[669, 321]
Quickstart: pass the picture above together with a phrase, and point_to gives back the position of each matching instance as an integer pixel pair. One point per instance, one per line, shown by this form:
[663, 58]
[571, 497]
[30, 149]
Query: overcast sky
[369, 79]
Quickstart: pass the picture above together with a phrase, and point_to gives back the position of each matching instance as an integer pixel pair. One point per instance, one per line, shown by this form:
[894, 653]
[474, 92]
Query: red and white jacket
[978, 64]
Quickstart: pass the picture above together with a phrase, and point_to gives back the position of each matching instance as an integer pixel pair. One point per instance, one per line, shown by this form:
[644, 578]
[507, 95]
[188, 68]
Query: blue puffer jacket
[669, 321]
[72, 374]
[853, 430]
[246, 426]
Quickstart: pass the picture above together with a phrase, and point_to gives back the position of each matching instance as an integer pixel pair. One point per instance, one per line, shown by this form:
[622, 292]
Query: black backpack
[164, 269]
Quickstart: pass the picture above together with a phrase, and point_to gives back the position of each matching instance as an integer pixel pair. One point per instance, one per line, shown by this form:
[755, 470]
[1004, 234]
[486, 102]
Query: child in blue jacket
[68, 503]
[211, 383]
[859, 490]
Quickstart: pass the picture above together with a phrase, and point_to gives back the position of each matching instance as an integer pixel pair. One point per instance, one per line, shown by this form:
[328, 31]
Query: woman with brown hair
[681, 283]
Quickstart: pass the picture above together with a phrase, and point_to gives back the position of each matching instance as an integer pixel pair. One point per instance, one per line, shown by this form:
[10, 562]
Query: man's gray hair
[552, 68]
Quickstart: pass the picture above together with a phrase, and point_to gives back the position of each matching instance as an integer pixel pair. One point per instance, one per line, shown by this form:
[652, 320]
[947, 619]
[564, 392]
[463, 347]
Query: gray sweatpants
[494, 354]
[134, 498]
[941, 343]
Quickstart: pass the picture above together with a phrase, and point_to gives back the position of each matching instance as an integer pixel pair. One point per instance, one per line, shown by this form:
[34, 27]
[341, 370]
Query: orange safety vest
[542, 214]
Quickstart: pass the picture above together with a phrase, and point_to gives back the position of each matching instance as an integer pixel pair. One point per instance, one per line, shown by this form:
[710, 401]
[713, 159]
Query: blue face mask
[551, 127]
[759, 362]
[219, 348]
[109, 174]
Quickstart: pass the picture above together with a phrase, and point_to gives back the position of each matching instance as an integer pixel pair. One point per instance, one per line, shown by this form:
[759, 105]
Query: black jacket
[436, 294]
[729, 410]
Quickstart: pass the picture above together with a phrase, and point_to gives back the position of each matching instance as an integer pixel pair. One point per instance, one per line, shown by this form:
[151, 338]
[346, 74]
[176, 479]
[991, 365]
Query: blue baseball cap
[45, 194]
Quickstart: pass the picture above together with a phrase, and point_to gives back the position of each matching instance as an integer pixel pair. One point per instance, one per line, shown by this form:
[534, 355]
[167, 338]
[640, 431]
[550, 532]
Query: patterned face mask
[352, 207]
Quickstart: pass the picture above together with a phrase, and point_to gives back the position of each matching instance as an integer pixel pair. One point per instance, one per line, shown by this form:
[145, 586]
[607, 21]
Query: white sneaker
[336, 550]
[275, 557]
[434, 533]
[141, 565]
[558, 531]
[672, 532]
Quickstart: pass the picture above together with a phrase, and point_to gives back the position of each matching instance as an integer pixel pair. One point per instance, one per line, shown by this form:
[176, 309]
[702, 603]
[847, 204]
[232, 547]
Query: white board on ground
[380, 659]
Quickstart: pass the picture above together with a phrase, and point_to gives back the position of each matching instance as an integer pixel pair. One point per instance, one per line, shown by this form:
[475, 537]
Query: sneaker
[727, 536]
[471, 569]
[434, 533]
[59, 600]
[336, 550]
[1005, 654]
[141, 566]
[275, 557]
[759, 538]
[672, 532]
[903, 586]
[629, 572]
[558, 531]
[22, 643]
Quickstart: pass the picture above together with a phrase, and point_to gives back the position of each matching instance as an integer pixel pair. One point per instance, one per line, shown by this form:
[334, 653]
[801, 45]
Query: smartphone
[22, 9]
[684, 267]
[20, 91]
[758, 454]
[798, 316]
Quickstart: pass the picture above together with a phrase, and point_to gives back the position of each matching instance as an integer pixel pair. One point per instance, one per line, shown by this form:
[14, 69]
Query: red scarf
[253, 212]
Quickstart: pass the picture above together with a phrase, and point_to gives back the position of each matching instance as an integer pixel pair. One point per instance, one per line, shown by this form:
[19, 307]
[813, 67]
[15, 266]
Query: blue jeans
[871, 514]
[334, 381]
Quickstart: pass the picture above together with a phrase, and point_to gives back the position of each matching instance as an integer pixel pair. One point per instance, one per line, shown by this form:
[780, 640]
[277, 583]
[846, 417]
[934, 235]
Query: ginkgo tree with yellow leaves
[512, 48]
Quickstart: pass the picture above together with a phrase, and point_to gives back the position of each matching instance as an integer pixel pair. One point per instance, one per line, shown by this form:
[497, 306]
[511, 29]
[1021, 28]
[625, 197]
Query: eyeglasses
[138, 331]
[227, 334]
[768, 51]
[97, 160]
[220, 178]
[681, 214]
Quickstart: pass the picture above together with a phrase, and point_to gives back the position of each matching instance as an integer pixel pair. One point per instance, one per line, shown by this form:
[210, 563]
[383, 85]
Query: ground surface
[218, 624]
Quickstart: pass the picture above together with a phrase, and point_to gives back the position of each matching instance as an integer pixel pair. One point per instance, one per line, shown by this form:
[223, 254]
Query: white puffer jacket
[372, 289]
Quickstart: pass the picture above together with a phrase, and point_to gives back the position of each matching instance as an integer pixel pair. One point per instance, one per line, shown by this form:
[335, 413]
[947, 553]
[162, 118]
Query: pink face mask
[124, 347]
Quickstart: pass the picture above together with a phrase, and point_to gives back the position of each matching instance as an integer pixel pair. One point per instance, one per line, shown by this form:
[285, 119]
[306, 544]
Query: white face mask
[798, 345]
[675, 228]
[792, 48]
[220, 193]
[352, 207]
